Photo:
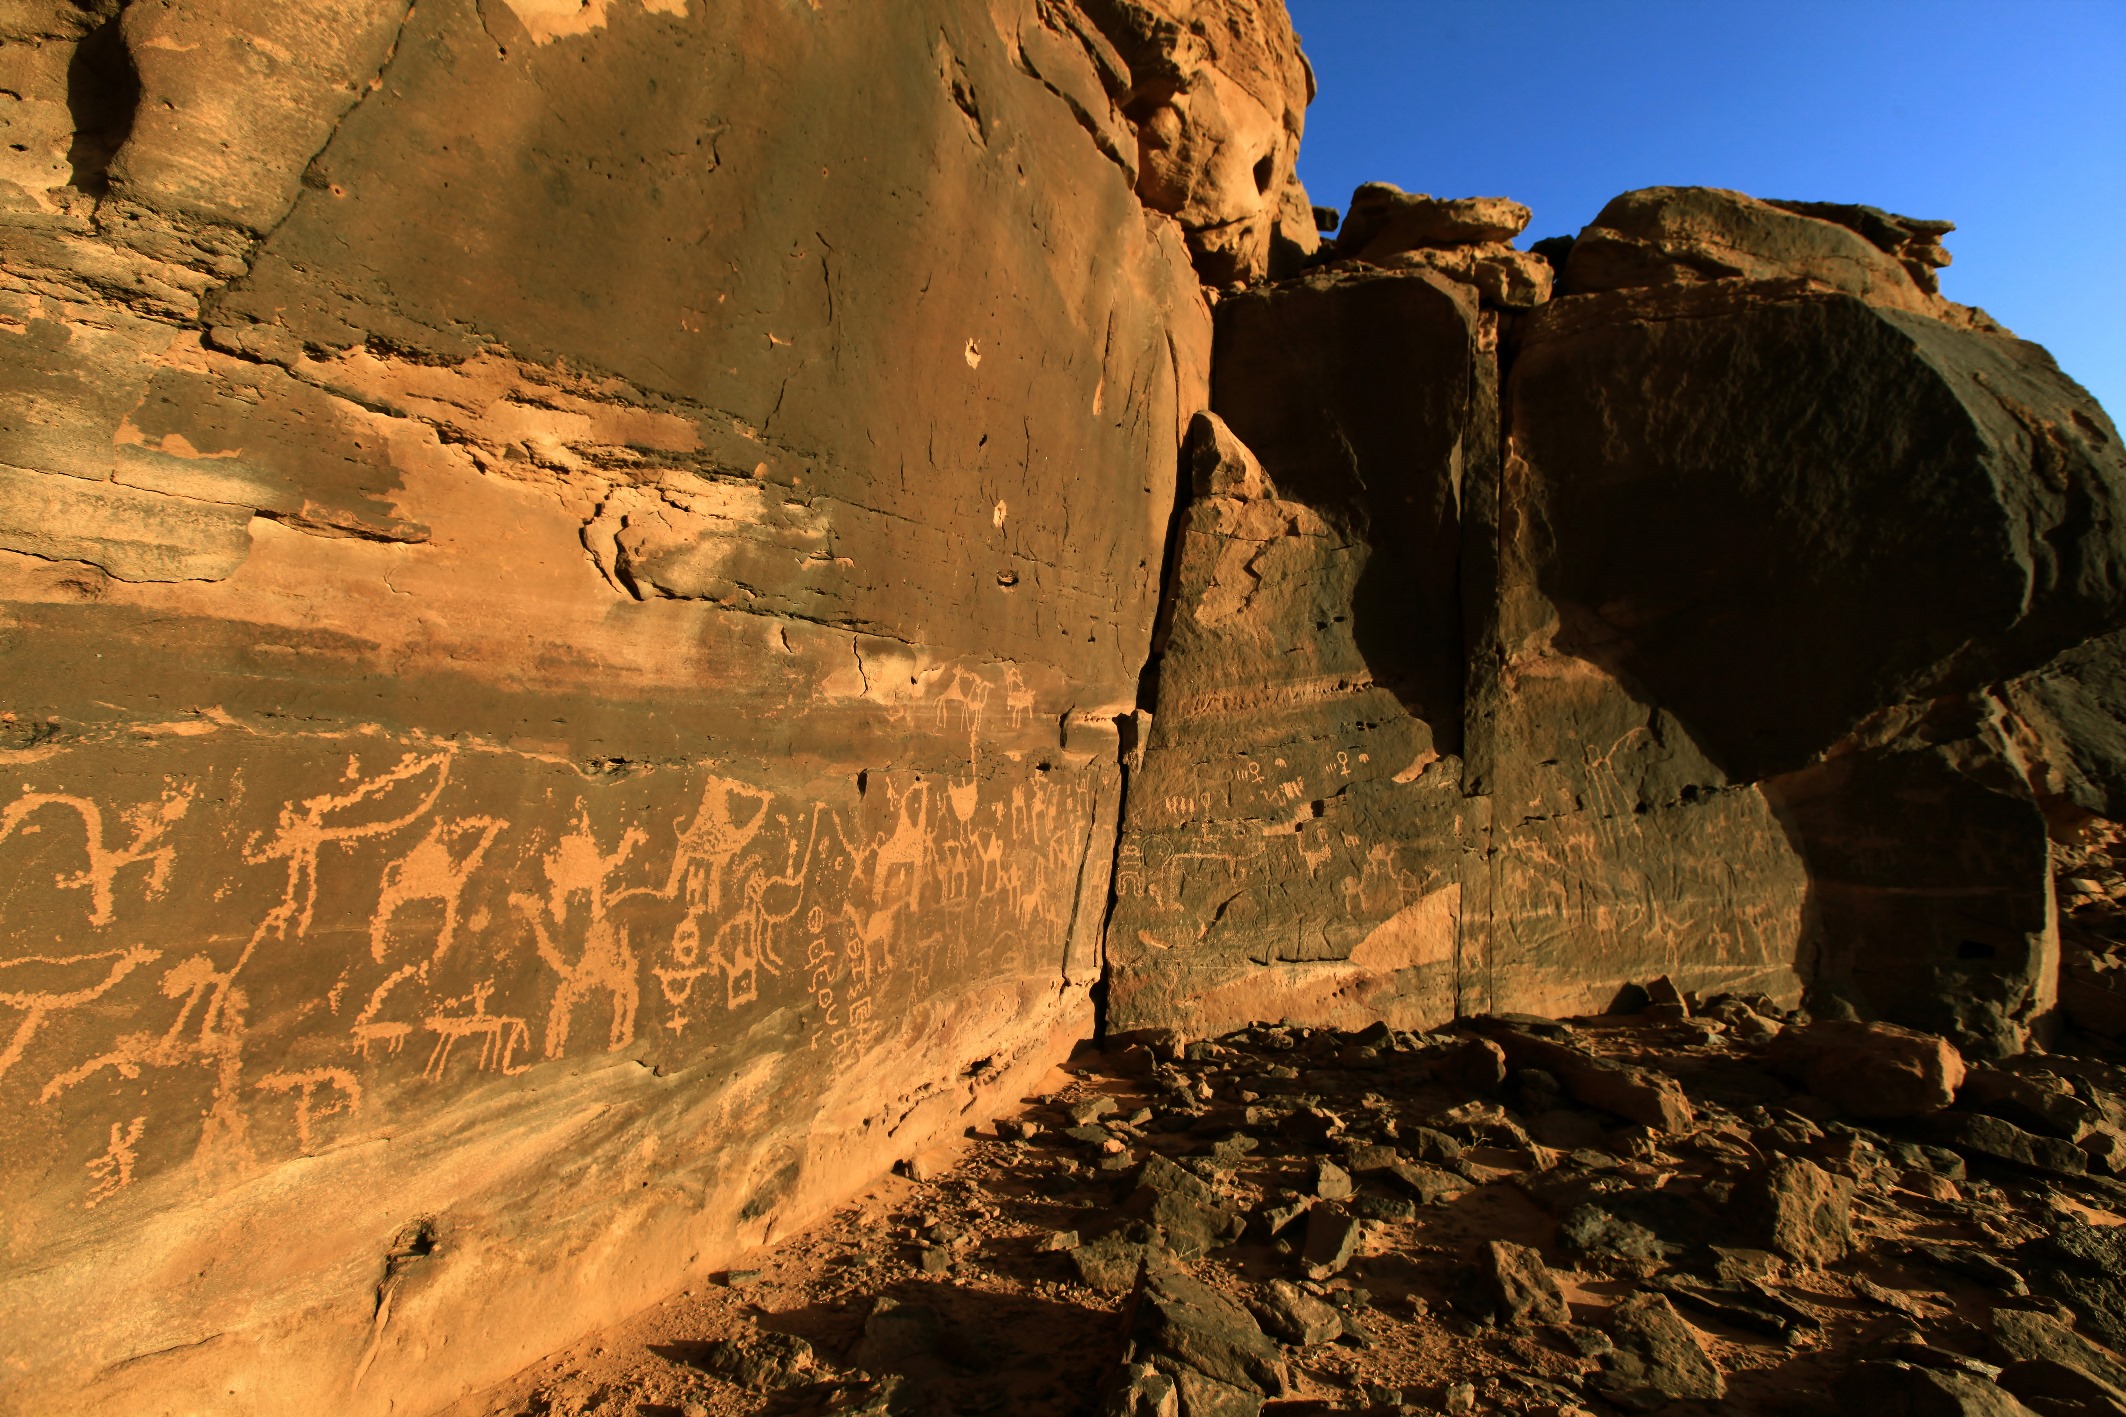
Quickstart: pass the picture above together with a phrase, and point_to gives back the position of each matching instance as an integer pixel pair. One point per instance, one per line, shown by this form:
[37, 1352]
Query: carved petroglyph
[305, 1085]
[604, 962]
[728, 817]
[387, 894]
[149, 823]
[38, 1004]
[114, 1169]
[435, 870]
[209, 995]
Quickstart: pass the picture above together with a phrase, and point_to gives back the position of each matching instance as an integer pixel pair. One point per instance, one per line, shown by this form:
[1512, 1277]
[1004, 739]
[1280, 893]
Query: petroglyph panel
[558, 660]
[1293, 840]
[292, 943]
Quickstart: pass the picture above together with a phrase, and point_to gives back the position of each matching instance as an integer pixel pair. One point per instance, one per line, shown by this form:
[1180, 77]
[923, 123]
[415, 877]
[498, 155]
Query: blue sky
[2007, 117]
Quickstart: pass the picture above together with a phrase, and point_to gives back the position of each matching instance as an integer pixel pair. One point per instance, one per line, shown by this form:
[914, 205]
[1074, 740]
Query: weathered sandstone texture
[600, 637]
[567, 572]
[1740, 616]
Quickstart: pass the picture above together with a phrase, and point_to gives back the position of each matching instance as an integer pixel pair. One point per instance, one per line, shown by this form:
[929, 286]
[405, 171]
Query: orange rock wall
[567, 573]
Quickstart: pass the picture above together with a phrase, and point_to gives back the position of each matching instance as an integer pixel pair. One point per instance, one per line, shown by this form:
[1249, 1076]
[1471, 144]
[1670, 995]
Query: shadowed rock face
[1737, 566]
[568, 575]
[1295, 833]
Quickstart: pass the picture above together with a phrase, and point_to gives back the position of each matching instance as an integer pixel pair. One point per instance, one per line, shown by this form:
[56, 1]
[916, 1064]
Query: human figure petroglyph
[727, 819]
[208, 1028]
[149, 822]
[114, 1169]
[39, 1004]
[305, 1085]
[605, 962]
[500, 1037]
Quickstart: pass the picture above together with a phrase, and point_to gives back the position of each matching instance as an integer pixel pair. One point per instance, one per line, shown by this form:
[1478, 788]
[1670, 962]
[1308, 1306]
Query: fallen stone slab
[1976, 1134]
[1908, 1390]
[2044, 1103]
[2050, 1385]
[2084, 1265]
[1634, 1093]
[2023, 1335]
[1874, 1070]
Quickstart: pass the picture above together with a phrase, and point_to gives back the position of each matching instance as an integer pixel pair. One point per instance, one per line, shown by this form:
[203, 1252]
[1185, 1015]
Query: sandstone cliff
[569, 570]
[1666, 625]
[601, 639]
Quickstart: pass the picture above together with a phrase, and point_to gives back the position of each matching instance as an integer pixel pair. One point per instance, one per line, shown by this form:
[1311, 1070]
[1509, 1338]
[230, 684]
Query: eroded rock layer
[569, 571]
[601, 639]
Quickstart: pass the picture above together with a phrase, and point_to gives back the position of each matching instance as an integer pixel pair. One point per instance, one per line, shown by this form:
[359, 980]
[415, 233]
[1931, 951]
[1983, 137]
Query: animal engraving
[114, 1169]
[305, 1086]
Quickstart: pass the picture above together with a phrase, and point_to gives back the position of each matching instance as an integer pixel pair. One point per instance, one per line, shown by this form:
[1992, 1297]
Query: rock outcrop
[601, 640]
[569, 573]
[1737, 616]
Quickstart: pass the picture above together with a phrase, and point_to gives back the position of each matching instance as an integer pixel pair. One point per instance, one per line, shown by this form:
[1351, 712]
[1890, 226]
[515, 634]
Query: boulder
[1296, 1316]
[1110, 1262]
[1214, 1352]
[771, 1360]
[1332, 1182]
[1428, 1183]
[897, 1336]
[1333, 1233]
[1663, 236]
[1503, 278]
[1189, 1217]
[1477, 1066]
[1799, 1210]
[1599, 1235]
[1658, 1358]
[1874, 1070]
[1509, 1284]
[1728, 662]
[1384, 220]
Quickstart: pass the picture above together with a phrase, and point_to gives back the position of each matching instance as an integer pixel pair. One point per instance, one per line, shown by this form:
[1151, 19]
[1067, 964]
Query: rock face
[565, 607]
[1727, 618]
[601, 640]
